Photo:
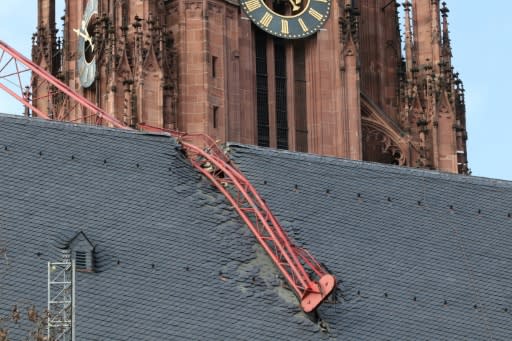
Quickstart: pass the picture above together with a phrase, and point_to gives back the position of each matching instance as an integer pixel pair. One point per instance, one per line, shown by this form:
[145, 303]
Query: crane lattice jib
[293, 262]
[307, 277]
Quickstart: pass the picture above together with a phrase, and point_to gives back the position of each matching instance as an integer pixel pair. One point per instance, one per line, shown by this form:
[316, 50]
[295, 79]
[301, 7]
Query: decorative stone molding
[374, 134]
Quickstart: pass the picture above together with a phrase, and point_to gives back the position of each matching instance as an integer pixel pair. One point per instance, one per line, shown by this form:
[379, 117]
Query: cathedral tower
[319, 76]
[433, 96]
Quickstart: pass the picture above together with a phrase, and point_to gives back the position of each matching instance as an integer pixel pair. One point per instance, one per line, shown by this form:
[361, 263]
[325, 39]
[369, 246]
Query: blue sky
[481, 35]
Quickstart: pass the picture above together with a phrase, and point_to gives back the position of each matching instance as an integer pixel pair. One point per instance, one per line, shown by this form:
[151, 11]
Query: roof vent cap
[81, 250]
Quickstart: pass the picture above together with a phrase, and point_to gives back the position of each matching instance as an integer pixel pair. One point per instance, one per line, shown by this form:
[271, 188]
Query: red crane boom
[310, 281]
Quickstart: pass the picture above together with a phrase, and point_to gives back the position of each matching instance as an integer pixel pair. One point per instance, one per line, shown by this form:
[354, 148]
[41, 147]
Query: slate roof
[419, 255]
[422, 255]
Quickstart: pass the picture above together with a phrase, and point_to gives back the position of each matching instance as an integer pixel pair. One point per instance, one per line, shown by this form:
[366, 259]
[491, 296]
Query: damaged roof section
[419, 254]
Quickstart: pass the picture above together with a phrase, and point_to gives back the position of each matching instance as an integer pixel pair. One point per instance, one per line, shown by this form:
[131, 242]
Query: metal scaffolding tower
[61, 298]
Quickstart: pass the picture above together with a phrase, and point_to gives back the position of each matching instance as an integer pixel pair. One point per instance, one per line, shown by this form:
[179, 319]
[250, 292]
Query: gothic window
[215, 116]
[301, 120]
[214, 66]
[281, 98]
[262, 89]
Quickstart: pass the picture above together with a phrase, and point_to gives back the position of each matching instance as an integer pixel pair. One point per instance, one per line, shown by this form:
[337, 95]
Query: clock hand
[79, 33]
[86, 36]
[294, 5]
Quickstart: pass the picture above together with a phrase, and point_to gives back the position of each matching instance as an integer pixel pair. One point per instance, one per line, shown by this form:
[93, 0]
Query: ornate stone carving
[349, 23]
[386, 145]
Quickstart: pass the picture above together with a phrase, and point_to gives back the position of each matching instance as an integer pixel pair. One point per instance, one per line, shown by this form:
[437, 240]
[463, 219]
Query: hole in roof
[40, 153]
[72, 157]
[359, 195]
[6, 148]
[414, 298]
[264, 182]
[389, 199]
[451, 207]
[419, 203]
[138, 165]
[118, 262]
[479, 211]
[509, 215]
[475, 306]
[296, 187]
[328, 191]
[385, 294]
[104, 161]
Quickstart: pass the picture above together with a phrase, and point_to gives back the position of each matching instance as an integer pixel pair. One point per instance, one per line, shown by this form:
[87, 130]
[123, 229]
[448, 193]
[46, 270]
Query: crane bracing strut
[310, 281]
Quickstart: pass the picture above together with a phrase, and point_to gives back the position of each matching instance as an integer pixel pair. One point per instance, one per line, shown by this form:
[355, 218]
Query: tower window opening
[262, 89]
[215, 116]
[301, 120]
[214, 66]
[281, 98]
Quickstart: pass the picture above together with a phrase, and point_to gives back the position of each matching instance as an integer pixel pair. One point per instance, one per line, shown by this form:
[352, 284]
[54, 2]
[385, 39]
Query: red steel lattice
[293, 262]
[60, 99]
[309, 280]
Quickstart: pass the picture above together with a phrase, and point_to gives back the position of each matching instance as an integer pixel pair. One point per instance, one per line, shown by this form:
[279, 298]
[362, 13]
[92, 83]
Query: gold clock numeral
[266, 19]
[284, 26]
[323, 1]
[314, 13]
[252, 5]
[303, 25]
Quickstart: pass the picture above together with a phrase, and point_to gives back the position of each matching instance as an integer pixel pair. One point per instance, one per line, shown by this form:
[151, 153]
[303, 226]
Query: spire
[427, 32]
[44, 43]
[436, 36]
[446, 44]
[408, 39]
[46, 13]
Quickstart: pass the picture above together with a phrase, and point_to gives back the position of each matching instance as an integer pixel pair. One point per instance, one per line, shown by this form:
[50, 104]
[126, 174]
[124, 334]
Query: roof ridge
[73, 126]
[410, 171]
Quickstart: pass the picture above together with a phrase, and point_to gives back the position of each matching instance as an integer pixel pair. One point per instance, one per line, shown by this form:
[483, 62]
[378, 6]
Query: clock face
[86, 62]
[290, 19]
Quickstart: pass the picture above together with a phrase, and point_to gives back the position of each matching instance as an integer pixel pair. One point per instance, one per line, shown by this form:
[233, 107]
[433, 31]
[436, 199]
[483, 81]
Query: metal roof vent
[82, 251]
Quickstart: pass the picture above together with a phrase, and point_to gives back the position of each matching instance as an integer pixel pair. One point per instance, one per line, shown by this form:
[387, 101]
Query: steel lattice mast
[310, 281]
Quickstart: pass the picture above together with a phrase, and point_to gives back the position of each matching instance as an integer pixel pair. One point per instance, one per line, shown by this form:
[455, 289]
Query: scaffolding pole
[61, 301]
